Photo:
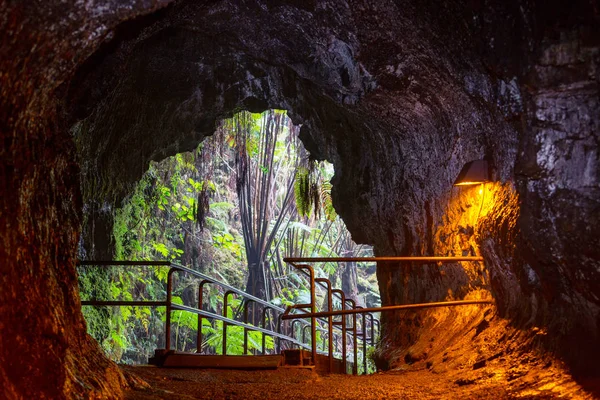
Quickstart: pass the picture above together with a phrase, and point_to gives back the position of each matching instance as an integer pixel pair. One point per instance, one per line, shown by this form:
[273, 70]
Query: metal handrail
[387, 308]
[321, 282]
[231, 321]
[133, 303]
[420, 259]
[109, 263]
[174, 267]
[424, 259]
[179, 267]
[229, 288]
[357, 310]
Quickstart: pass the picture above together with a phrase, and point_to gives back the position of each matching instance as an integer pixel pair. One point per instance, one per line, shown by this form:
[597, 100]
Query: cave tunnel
[398, 95]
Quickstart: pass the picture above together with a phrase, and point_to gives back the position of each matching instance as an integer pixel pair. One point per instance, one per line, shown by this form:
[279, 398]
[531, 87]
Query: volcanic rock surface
[398, 95]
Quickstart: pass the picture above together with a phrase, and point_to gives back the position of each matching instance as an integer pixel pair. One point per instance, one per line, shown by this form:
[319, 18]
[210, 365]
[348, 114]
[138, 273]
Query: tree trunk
[350, 283]
[256, 285]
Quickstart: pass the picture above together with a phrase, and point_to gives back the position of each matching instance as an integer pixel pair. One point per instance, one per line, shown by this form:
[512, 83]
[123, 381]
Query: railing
[318, 319]
[354, 310]
[315, 324]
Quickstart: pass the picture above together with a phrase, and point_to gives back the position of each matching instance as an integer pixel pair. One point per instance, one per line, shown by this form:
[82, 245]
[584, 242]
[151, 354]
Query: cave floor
[175, 383]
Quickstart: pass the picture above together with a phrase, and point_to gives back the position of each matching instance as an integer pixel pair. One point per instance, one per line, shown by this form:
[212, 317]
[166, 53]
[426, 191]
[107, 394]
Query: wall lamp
[473, 173]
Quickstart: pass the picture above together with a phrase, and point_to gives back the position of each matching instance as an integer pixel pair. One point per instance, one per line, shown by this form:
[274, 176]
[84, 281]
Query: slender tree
[265, 187]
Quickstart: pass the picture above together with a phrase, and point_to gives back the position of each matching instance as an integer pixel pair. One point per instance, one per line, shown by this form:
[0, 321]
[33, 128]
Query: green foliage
[95, 284]
[312, 191]
[371, 368]
[235, 340]
[226, 241]
[183, 318]
[189, 209]
[302, 192]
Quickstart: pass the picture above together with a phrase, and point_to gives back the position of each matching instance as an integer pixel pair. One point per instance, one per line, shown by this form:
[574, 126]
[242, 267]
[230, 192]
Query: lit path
[299, 384]
[303, 384]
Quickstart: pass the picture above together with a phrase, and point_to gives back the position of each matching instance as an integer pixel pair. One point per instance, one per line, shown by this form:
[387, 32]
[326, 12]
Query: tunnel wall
[398, 95]
[44, 350]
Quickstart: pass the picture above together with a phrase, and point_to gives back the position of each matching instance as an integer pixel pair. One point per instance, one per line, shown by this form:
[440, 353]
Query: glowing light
[473, 173]
[467, 183]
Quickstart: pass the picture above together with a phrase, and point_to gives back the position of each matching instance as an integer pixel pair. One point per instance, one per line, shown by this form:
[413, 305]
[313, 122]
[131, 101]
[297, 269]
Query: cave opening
[205, 210]
[397, 95]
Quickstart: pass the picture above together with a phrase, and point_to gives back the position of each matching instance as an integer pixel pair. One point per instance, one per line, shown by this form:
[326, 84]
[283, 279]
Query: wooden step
[296, 358]
[175, 359]
[289, 359]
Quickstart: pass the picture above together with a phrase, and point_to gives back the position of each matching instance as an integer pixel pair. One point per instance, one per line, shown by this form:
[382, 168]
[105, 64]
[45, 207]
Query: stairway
[294, 358]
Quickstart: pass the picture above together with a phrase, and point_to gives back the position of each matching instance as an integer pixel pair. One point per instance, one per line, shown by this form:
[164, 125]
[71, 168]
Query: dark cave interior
[398, 95]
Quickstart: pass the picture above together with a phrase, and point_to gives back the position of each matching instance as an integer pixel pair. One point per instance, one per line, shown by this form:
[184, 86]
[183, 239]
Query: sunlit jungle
[299, 199]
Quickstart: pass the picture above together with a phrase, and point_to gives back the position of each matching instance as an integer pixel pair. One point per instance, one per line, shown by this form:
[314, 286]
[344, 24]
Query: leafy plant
[233, 208]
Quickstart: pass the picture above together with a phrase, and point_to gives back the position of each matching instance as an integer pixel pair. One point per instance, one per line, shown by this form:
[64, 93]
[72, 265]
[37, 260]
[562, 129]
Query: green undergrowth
[201, 209]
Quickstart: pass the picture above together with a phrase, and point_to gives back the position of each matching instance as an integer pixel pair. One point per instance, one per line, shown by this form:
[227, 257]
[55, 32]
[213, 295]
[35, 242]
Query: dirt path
[303, 384]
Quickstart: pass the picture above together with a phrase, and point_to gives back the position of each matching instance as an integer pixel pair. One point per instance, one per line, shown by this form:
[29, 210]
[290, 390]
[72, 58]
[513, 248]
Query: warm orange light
[468, 183]
[473, 173]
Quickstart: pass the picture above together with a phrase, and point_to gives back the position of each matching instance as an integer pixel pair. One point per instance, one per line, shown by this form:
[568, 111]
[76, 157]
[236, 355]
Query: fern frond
[302, 191]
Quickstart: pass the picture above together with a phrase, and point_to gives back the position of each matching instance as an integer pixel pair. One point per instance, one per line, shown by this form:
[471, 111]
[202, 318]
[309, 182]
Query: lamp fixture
[473, 173]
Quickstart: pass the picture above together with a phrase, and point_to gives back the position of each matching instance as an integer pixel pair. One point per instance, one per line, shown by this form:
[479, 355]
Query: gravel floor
[304, 384]
[486, 361]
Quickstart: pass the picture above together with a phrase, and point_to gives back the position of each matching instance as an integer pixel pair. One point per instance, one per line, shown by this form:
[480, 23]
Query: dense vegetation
[232, 209]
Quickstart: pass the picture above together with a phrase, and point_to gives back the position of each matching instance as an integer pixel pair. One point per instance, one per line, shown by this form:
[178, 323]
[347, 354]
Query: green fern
[313, 193]
[302, 192]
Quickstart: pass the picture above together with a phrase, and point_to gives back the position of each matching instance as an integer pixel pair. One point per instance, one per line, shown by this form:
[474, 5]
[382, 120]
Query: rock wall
[44, 350]
[397, 94]
[557, 175]
[399, 97]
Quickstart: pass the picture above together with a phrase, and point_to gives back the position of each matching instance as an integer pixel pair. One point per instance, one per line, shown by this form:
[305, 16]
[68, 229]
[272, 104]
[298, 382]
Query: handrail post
[168, 316]
[313, 320]
[354, 343]
[304, 333]
[343, 323]
[293, 334]
[327, 283]
[279, 328]
[264, 324]
[364, 341]
[200, 318]
[423, 259]
[246, 302]
[313, 309]
[225, 297]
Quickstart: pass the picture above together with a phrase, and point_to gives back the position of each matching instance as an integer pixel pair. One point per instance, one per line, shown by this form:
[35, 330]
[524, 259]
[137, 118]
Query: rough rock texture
[558, 181]
[44, 351]
[397, 94]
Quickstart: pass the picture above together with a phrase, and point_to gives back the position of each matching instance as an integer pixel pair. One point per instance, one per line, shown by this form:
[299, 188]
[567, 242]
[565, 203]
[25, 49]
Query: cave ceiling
[398, 95]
